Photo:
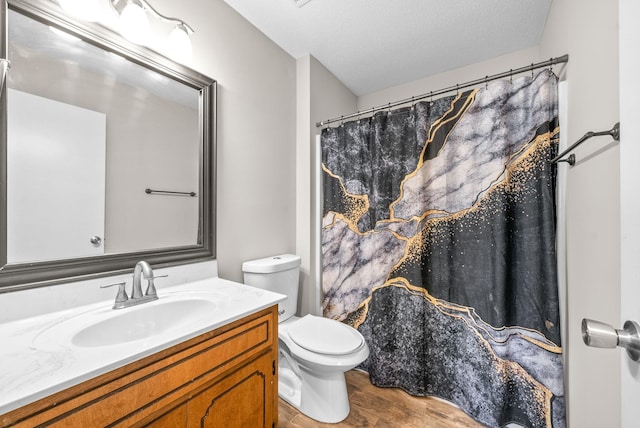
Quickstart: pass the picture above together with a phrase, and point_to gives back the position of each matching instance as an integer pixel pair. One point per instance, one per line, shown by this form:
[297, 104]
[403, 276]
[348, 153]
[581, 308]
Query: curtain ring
[532, 70]
[431, 98]
[551, 64]
[341, 121]
[457, 89]
[511, 76]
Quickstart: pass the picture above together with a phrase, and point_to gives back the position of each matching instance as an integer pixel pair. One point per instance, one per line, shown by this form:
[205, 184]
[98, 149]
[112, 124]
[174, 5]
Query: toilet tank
[280, 274]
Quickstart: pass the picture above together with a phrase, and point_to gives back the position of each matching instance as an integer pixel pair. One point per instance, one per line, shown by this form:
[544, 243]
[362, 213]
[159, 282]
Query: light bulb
[87, 10]
[134, 24]
[179, 45]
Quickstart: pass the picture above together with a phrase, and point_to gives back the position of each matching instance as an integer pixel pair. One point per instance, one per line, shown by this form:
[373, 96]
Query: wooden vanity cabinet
[223, 378]
[235, 401]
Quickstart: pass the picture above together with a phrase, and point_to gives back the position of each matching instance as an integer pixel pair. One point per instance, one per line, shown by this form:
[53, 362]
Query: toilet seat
[325, 336]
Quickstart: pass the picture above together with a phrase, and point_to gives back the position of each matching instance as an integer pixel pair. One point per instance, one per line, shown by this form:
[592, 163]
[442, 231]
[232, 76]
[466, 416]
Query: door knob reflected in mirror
[601, 335]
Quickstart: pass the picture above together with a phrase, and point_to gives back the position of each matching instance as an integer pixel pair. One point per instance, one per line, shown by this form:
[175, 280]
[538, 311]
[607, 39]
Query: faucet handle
[151, 288]
[122, 294]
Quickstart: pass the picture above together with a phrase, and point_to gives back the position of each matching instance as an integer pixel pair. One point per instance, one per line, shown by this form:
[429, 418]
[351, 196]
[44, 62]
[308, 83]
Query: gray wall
[256, 178]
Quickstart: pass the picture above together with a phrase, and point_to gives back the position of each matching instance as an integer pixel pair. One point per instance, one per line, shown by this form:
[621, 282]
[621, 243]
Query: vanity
[214, 363]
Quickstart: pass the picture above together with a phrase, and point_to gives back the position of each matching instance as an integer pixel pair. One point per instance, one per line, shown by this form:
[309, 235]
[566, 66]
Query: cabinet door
[242, 399]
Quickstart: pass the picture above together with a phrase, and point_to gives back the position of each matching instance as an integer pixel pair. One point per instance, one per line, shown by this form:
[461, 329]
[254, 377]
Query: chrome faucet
[142, 269]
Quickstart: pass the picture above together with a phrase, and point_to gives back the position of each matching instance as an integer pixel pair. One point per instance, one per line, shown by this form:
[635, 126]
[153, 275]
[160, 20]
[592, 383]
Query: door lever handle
[601, 335]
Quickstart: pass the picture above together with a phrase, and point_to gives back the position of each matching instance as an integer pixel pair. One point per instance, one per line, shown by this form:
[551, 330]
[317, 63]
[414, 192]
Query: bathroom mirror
[107, 152]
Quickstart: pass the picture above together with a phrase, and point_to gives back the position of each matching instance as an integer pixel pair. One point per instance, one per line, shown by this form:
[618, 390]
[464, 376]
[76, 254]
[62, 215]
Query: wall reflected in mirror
[88, 132]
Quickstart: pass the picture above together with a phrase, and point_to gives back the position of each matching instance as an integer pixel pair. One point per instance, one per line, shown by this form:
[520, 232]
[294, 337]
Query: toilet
[314, 352]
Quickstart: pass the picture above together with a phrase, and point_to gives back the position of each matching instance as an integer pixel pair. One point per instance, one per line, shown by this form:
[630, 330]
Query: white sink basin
[146, 322]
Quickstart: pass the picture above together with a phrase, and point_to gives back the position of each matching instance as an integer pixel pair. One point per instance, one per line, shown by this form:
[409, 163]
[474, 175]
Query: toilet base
[324, 399]
[289, 386]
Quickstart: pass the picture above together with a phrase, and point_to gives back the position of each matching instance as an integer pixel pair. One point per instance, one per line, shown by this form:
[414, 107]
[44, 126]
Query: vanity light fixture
[134, 23]
[179, 44]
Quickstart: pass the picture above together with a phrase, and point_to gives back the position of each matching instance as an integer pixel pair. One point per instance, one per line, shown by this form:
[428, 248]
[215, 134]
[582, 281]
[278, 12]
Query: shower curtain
[438, 245]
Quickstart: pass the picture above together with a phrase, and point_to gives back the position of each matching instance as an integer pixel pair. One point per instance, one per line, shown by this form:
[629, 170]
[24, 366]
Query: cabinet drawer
[163, 380]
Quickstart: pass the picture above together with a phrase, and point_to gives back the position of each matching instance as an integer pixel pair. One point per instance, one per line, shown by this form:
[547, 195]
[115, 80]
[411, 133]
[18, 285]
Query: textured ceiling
[374, 44]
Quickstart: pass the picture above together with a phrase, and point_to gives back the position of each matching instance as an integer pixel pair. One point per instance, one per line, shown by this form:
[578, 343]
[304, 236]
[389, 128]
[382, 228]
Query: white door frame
[629, 34]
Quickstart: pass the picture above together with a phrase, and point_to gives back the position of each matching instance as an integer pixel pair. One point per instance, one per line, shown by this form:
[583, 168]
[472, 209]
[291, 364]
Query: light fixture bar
[135, 28]
[134, 25]
[167, 18]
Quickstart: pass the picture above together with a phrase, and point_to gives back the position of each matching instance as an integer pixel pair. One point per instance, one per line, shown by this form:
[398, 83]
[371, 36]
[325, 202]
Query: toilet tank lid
[272, 264]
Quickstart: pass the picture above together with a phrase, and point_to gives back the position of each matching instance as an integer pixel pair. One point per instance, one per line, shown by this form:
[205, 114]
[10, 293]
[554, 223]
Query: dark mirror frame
[30, 275]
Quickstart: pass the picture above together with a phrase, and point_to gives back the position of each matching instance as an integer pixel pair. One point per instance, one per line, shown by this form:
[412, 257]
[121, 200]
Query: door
[629, 34]
[55, 179]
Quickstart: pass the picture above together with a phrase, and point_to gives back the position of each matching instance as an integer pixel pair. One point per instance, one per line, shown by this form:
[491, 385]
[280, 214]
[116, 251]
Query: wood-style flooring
[383, 408]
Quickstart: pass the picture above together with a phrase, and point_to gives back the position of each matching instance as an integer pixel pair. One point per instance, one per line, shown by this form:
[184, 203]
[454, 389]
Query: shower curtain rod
[547, 63]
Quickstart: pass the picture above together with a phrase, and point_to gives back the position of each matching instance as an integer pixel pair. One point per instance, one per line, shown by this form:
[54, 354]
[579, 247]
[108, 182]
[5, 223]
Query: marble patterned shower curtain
[438, 245]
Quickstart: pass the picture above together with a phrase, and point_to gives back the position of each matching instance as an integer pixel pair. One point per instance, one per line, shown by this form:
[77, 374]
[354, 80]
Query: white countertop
[33, 365]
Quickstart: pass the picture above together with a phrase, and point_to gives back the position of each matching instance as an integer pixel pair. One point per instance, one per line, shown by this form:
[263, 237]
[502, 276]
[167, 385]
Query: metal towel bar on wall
[571, 160]
[169, 192]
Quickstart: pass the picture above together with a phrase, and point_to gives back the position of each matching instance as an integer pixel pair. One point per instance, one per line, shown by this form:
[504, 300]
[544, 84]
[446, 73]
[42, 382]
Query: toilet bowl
[314, 352]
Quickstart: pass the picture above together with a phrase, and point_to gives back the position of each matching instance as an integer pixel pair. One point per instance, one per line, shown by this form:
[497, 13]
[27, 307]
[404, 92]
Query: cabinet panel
[175, 418]
[242, 399]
